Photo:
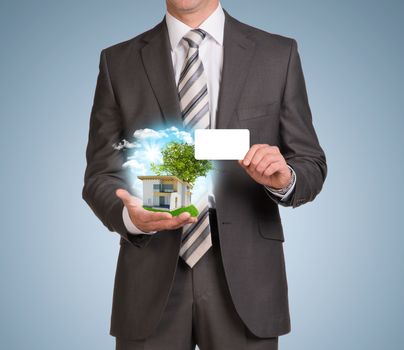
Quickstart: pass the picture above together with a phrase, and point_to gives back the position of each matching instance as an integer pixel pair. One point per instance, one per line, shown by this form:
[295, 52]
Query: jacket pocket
[270, 228]
[258, 111]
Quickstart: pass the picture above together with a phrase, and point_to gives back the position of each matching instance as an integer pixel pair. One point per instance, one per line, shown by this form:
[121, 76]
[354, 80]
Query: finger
[170, 224]
[127, 199]
[272, 169]
[262, 152]
[165, 220]
[249, 155]
[266, 160]
[147, 216]
[258, 156]
[190, 221]
[182, 218]
[174, 223]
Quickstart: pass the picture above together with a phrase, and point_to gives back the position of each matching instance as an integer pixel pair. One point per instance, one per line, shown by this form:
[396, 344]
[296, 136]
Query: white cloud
[142, 134]
[180, 135]
[184, 136]
[125, 144]
[133, 164]
[173, 129]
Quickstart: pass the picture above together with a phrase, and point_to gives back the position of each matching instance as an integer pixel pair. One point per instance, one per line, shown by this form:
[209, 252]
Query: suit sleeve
[104, 173]
[298, 140]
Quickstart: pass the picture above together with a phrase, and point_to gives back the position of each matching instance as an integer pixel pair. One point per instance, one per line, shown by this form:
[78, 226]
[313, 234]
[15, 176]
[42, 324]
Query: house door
[161, 202]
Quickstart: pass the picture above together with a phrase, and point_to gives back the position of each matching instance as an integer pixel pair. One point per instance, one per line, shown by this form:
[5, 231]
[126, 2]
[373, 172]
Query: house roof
[163, 177]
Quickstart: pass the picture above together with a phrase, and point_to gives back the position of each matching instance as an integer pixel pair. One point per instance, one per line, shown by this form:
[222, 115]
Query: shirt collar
[213, 25]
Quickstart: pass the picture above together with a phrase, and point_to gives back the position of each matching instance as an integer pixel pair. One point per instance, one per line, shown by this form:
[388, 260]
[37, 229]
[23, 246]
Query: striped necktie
[194, 101]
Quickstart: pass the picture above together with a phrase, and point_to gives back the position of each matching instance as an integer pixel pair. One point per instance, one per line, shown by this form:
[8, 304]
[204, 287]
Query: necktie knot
[194, 37]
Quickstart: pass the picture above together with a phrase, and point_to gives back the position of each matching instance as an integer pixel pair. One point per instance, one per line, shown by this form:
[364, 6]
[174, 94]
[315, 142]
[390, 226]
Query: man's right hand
[147, 220]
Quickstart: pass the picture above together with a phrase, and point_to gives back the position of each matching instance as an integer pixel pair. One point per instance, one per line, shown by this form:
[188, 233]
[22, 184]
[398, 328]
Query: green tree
[179, 161]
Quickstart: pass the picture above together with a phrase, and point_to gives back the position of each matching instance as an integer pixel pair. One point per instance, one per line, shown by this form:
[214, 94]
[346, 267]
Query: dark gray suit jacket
[263, 90]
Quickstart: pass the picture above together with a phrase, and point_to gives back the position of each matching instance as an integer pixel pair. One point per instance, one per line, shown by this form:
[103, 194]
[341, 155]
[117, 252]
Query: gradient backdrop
[344, 251]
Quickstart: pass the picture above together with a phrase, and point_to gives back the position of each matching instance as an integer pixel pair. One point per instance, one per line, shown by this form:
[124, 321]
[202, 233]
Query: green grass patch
[190, 209]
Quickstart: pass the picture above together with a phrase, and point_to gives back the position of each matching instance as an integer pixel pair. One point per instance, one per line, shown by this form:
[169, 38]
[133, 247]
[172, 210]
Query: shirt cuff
[284, 193]
[130, 226]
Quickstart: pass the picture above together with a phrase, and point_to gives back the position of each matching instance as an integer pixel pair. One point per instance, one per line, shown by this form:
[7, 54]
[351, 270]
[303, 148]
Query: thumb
[126, 197]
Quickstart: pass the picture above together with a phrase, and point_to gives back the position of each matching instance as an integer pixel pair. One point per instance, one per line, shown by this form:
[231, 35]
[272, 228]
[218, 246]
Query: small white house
[165, 192]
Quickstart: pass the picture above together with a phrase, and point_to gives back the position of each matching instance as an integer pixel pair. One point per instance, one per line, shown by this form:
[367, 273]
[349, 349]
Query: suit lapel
[156, 56]
[237, 56]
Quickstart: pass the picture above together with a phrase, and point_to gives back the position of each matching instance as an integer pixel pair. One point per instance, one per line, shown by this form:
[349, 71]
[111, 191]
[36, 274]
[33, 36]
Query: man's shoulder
[135, 42]
[263, 37]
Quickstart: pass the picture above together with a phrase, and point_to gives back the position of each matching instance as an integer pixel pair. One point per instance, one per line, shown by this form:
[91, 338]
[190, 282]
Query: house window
[167, 188]
[163, 188]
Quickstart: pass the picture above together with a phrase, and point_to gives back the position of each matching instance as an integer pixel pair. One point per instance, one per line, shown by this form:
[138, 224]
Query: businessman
[217, 281]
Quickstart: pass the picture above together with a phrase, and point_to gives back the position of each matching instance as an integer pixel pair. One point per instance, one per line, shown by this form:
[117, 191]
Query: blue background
[344, 251]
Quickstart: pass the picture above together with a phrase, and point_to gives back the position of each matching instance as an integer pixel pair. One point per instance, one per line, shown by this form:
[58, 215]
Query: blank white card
[221, 144]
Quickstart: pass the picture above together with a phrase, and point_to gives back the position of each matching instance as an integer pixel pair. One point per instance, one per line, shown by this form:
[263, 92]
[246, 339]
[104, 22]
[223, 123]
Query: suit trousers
[200, 311]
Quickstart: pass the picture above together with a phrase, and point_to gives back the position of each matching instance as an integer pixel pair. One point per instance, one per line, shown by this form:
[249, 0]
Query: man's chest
[248, 96]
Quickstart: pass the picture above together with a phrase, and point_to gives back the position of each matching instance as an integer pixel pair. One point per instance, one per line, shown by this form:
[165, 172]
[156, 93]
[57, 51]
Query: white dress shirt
[211, 55]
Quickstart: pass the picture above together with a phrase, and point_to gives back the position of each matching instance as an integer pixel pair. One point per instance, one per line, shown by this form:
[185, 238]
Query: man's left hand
[266, 165]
